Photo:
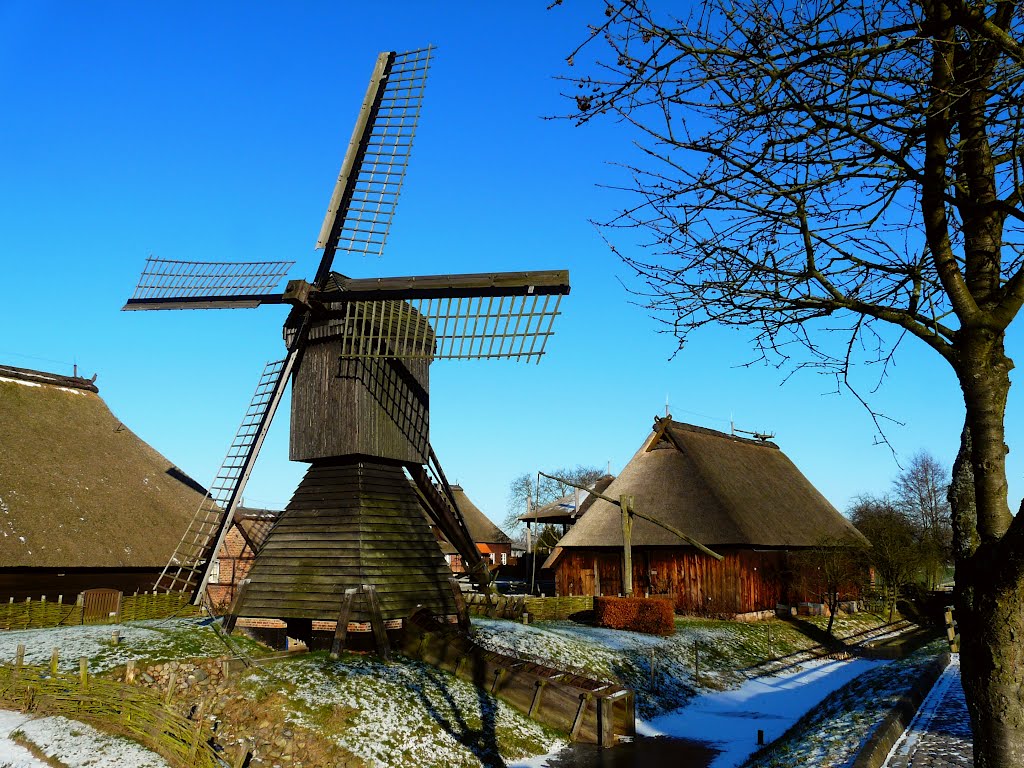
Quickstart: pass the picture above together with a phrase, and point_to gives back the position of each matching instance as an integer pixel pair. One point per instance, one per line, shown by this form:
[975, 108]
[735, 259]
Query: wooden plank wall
[743, 581]
[349, 525]
[345, 407]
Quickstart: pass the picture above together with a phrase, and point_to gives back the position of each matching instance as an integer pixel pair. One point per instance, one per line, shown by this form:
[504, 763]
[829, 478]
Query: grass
[19, 737]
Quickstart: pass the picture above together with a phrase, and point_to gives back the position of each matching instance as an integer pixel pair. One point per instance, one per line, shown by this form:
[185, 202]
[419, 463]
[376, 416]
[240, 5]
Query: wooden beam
[626, 504]
[536, 283]
[380, 634]
[671, 529]
[341, 629]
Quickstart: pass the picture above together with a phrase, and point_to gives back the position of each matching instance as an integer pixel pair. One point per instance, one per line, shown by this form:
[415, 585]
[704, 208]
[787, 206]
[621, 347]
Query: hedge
[653, 615]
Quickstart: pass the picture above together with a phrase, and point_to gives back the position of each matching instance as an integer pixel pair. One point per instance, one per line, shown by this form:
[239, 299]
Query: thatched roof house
[83, 501]
[493, 543]
[744, 498]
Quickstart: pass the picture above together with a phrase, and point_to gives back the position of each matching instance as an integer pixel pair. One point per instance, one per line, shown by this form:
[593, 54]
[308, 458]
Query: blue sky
[213, 132]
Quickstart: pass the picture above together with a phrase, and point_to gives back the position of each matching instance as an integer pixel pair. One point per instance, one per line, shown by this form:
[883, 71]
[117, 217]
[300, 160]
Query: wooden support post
[83, 671]
[606, 721]
[498, 675]
[232, 617]
[341, 630]
[115, 637]
[538, 694]
[597, 578]
[461, 609]
[19, 656]
[581, 710]
[626, 503]
[380, 634]
[951, 630]
[54, 660]
[129, 672]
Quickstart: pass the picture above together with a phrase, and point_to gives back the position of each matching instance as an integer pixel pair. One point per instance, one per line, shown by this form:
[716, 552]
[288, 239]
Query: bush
[653, 615]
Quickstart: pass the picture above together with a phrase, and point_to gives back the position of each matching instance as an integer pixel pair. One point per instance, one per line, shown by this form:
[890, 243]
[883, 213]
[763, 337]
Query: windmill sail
[189, 566]
[363, 204]
[167, 284]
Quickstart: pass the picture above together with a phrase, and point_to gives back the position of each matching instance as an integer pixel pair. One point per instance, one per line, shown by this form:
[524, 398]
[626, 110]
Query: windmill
[353, 547]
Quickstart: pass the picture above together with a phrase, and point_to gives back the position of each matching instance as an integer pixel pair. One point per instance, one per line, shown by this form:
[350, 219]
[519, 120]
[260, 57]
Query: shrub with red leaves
[653, 615]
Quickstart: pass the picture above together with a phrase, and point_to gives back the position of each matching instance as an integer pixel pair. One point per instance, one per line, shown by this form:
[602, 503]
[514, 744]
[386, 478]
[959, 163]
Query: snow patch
[73, 744]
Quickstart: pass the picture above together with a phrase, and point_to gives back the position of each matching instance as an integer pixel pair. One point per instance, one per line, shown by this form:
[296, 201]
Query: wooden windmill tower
[359, 352]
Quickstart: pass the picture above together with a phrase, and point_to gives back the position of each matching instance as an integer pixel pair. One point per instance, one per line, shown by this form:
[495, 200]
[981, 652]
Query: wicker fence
[36, 614]
[111, 706]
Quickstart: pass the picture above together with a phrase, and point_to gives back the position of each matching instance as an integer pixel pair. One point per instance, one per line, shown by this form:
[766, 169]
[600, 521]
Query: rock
[148, 678]
[199, 675]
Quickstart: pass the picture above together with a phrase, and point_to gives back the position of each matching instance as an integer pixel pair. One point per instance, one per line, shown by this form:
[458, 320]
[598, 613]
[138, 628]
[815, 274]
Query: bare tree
[834, 569]
[921, 492]
[525, 493]
[894, 552]
[852, 166]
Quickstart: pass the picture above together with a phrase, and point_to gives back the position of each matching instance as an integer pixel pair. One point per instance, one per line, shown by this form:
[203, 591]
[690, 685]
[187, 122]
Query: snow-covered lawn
[152, 640]
[403, 713]
[71, 743]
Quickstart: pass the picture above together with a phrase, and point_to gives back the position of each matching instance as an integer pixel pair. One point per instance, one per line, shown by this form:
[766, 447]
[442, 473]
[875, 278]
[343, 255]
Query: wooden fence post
[83, 671]
[197, 734]
[170, 685]
[19, 656]
[54, 661]
[242, 755]
[129, 672]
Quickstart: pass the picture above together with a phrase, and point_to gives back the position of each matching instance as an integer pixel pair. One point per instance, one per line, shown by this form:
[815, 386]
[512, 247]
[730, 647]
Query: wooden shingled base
[590, 711]
[352, 540]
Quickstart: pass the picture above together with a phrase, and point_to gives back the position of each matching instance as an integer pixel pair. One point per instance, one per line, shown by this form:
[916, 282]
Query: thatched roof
[78, 489]
[720, 489]
[480, 526]
[564, 510]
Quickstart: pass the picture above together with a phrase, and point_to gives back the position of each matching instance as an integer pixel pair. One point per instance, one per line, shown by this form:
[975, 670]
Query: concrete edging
[888, 732]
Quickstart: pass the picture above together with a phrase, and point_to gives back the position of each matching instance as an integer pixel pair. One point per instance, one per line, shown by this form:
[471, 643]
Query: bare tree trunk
[990, 604]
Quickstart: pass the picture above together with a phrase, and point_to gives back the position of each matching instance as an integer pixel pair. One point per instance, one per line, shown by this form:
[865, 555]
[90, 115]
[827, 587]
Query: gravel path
[940, 734]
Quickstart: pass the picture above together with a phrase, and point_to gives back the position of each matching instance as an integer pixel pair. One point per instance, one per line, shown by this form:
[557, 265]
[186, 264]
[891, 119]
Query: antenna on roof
[667, 414]
[609, 471]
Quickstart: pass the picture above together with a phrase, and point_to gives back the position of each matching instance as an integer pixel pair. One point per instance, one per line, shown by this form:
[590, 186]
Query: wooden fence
[539, 608]
[590, 711]
[111, 706]
[37, 614]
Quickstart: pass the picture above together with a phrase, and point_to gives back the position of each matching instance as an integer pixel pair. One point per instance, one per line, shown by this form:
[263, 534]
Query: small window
[504, 558]
[215, 572]
[491, 555]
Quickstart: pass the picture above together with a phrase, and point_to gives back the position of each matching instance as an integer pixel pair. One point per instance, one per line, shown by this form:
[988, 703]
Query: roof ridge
[45, 377]
[716, 433]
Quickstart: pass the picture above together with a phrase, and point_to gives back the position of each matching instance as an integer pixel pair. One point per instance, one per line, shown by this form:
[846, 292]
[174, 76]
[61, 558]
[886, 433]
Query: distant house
[565, 511]
[494, 544]
[743, 498]
[84, 502]
[241, 543]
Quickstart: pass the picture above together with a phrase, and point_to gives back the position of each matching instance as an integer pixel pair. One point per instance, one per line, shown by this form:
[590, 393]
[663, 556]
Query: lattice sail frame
[445, 328]
[168, 279]
[367, 201]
